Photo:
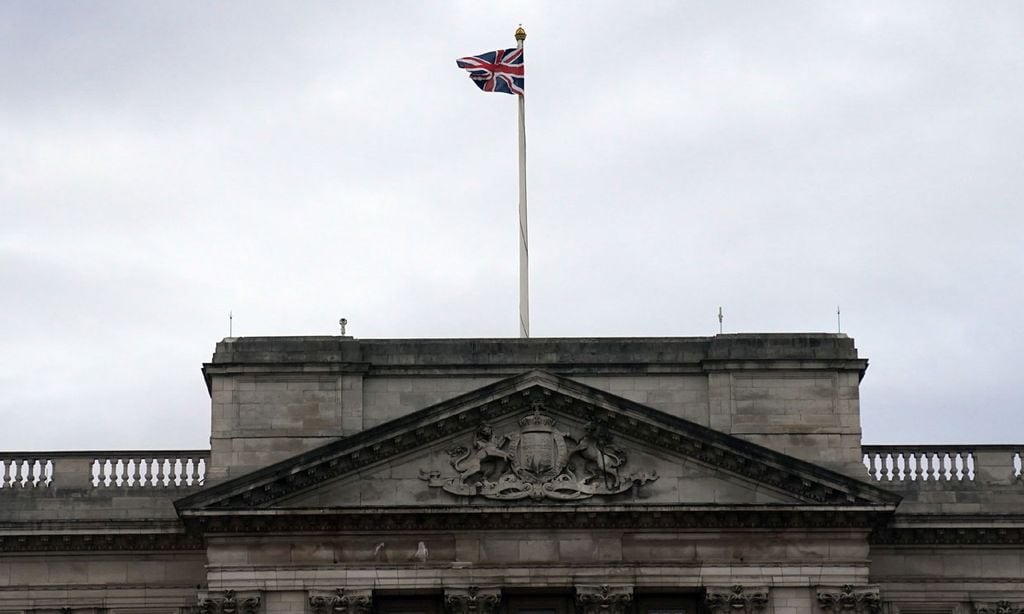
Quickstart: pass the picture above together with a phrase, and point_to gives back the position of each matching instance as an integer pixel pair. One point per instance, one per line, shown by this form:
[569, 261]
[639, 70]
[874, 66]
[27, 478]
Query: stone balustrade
[952, 463]
[133, 469]
[187, 468]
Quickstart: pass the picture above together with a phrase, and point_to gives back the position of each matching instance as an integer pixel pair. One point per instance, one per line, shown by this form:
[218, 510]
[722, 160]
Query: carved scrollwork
[736, 599]
[472, 600]
[228, 602]
[604, 599]
[998, 607]
[848, 599]
[538, 461]
[342, 601]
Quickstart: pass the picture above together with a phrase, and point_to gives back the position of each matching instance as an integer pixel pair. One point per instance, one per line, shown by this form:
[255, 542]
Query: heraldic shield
[538, 461]
[539, 452]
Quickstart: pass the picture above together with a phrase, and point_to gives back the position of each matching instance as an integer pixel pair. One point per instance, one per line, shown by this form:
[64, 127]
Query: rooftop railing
[134, 469]
[153, 469]
[938, 463]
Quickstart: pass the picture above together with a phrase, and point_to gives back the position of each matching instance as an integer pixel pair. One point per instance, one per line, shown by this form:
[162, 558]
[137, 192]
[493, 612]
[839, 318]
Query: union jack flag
[496, 71]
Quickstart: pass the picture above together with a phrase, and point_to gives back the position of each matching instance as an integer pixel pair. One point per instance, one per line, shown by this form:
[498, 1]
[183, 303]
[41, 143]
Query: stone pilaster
[998, 607]
[604, 598]
[848, 599]
[736, 599]
[228, 602]
[341, 601]
[472, 600]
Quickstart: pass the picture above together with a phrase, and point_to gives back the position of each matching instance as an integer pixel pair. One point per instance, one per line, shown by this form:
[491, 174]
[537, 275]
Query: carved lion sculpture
[486, 459]
[600, 458]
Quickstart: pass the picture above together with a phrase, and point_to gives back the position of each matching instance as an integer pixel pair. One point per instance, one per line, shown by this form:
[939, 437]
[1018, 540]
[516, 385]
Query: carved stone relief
[472, 600]
[998, 607]
[538, 461]
[604, 599]
[736, 599]
[228, 602]
[341, 601]
[848, 599]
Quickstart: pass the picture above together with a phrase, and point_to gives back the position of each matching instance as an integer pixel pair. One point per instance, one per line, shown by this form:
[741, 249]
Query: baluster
[4, 483]
[958, 465]
[161, 473]
[144, 472]
[903, 466]
[23, 477]
[117, 465]
[969, 465]
[48, 473]
[189, 469]
[920, 466]
[36, 469]
[179, 471]
[201, 471]
[94, 473]
[945, 465]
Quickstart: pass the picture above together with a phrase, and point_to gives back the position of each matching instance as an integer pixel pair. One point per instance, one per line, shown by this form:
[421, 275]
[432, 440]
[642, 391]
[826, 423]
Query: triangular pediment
[537, 439]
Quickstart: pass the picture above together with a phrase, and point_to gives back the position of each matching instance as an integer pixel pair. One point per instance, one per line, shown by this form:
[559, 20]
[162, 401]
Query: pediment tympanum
[539, 460]
[536, 439]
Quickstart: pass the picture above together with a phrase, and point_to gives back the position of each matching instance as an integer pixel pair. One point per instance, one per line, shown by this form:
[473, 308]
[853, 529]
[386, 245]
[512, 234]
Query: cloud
[167, 163]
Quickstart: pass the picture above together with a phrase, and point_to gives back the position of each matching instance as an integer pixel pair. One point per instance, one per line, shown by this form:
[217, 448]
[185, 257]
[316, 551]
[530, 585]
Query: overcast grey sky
[163, 163]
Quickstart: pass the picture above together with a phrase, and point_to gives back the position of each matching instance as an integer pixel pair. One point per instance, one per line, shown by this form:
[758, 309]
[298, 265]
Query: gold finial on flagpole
[520, 33]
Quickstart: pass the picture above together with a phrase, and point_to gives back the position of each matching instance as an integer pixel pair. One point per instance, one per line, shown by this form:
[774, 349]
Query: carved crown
[537, 420]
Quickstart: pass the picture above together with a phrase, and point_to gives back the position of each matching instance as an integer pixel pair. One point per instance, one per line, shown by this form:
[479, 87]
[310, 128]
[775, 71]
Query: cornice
[415, 520]
[948, 536]
[951, 529]
[101, 542]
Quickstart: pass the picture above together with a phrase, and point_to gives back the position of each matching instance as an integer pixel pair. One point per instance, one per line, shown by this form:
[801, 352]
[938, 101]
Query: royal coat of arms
[538, 461]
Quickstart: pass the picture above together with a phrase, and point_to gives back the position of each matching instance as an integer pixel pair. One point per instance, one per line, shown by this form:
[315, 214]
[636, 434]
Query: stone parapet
[275, 397]
[950, 479]
[362, 355]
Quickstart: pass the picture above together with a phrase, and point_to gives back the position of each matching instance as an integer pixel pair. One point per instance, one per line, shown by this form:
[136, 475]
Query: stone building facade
[719, 475]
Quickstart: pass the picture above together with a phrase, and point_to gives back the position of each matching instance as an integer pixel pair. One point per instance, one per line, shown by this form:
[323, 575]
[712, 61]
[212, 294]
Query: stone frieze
[472, 600]
[604, 599]
[539, 461]
[228, 602]
[736, 599]
[849, 599]
[341, 601]
[998, 607]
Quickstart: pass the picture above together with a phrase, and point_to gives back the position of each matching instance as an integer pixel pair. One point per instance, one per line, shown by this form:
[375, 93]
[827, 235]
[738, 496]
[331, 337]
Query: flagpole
[524, 250]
